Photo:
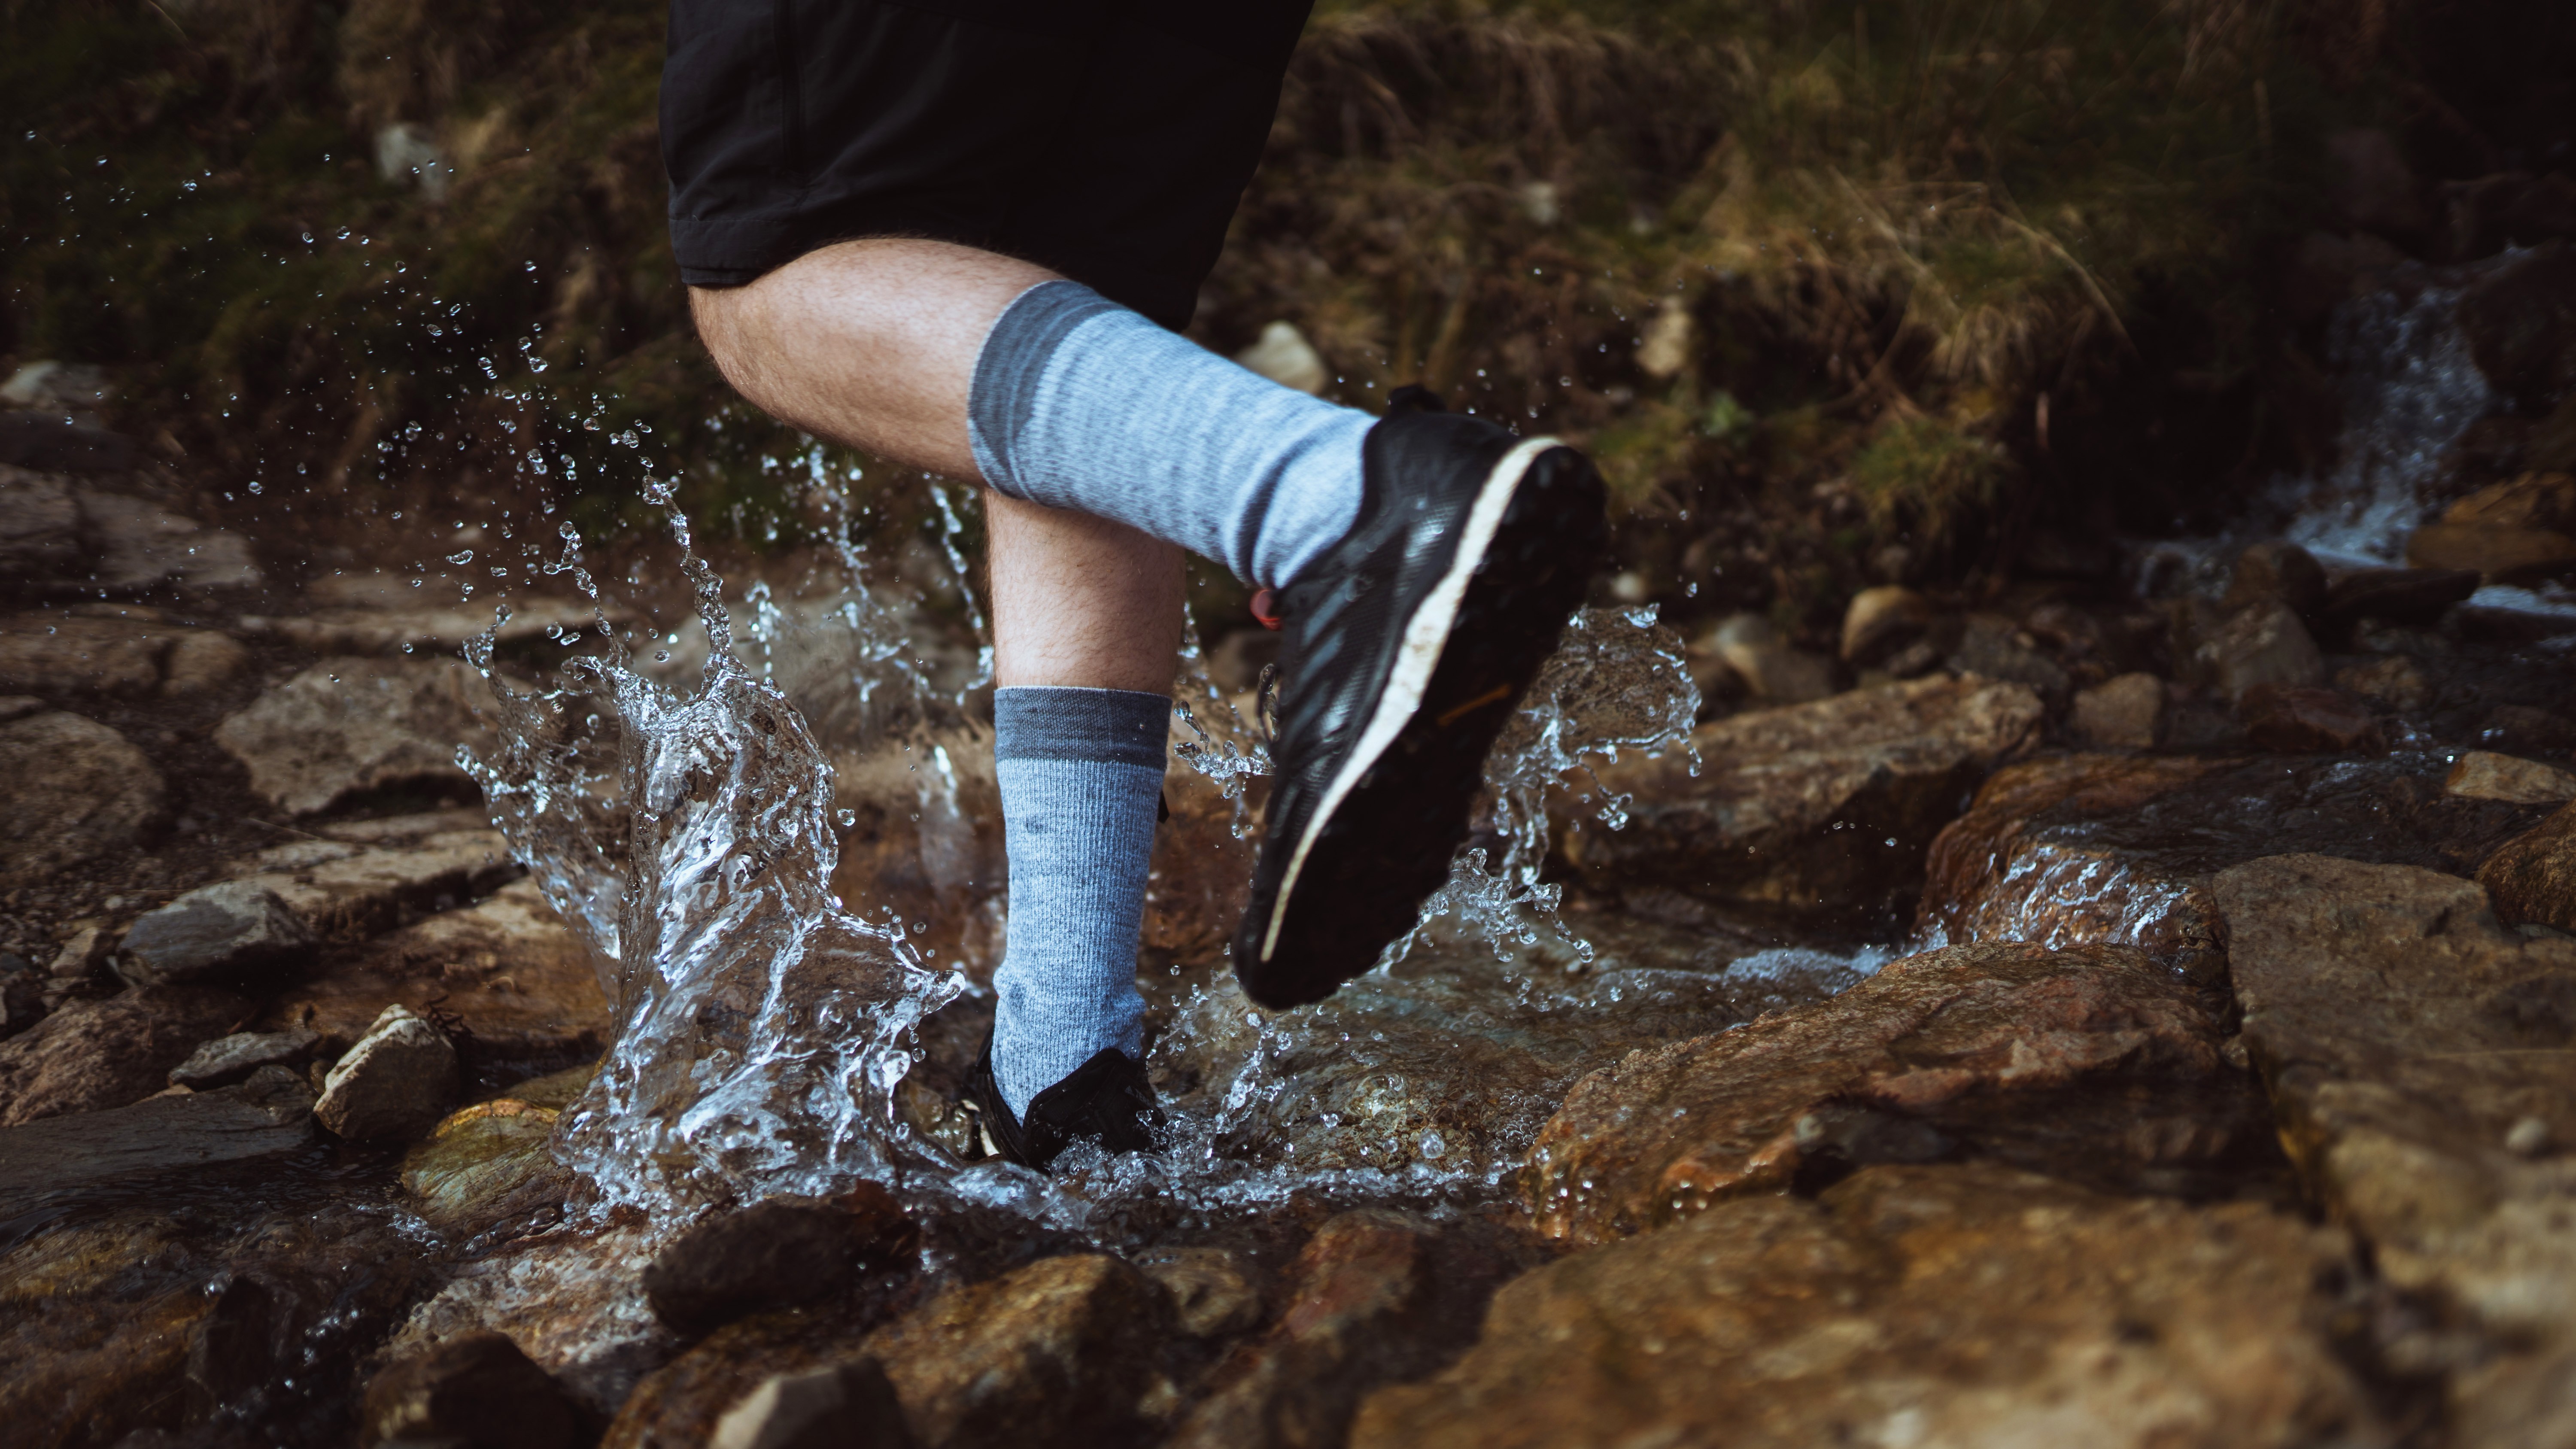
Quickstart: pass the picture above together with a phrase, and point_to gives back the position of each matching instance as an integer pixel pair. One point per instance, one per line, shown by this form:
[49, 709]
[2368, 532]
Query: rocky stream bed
[2066, 1017]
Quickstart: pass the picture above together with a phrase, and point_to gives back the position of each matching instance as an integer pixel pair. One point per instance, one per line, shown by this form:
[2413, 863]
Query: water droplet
[461, 557]
[847, 818]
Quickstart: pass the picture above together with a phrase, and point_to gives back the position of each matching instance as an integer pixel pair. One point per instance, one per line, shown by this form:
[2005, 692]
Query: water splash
[2411, 387]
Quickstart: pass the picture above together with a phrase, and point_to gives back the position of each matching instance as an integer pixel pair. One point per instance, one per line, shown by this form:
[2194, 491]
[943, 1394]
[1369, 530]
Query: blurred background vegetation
[1841, 292]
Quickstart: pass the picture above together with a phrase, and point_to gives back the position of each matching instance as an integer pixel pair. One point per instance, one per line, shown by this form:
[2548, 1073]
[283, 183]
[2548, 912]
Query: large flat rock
[1812, 806]
[345, 890]
[353, 724]
[2092, 1063]
[507, 969]
[2422, 1058]
[2067, 850]
[164, 1134]
[1917, 1306]
[91, 1055]
[71, 790]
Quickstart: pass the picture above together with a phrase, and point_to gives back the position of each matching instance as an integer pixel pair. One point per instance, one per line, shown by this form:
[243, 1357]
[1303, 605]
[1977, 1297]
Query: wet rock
[1878, 622]
[72, 791]
[506, 969]
[831, 1407]
[235, 933]
[395, 1083]
[266, 1116]
[2511, 209]
[1215, 1292]
[477, 1389]
[229, 1059]
[378, 615]
[2533, 878]
[1770, 668]
[2523, 730]
[1797, 806]
[2395, 681]
[2283, 572]
[690, 1399]
[2126, 713]
[2093, 1063]
[2529, 500]
[64, 445]
[2262, 643]
[1057, 1353]
[351, 724]
[2394, 596]
[2405, 1036]
[2093, 848]
[90, 1055]
[2486, 775]
[345, 891]
[39, 526]
[22, 996]
[2495, 555]
[1354, 1321]
[2521, 324]
[2299, 721]
[773, 1255]
[1448, 1063]
[487, 1165]
[141, 545]
[572, 1301]
[1996, 648]
[58, 653]
[1910, 1305]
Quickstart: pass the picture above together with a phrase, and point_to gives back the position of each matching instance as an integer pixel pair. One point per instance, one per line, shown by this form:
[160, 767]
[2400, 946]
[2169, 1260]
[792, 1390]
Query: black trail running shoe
[1107, 1097]
[1409, 645]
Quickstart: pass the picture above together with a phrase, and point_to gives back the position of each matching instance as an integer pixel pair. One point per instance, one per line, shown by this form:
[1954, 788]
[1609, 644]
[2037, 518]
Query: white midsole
[1424, 637]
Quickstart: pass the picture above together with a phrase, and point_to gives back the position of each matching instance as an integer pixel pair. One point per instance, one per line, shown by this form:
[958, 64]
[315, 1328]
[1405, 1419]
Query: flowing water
[766, 1025]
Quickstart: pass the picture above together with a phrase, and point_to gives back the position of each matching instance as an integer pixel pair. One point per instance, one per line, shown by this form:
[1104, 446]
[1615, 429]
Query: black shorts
[1107, 139]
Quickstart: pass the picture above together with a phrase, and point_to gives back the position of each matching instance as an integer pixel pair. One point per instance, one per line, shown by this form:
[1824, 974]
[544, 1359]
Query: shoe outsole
[1379, 843]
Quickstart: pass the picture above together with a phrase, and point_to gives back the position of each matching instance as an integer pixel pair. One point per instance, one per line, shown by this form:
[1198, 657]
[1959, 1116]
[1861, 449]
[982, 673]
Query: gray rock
[263, 1117]
[395, 1083]
[2262, 643]
[235, 932]
[1996, 648]
[838, 1406]
[86, 951]
[229, 1059]
[351, 724]
[142, 545]
[345, 890]
[91, 1055]
[71, 791]
[39, 526]
[771, 1254]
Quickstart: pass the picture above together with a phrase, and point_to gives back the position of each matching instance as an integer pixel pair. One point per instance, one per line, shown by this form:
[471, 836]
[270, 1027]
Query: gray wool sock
[1079, 403]
[1081, 772]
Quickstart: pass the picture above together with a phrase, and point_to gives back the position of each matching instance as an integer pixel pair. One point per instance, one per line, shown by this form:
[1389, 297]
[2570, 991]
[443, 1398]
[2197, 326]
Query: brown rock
[2396, 596]
[2530, 500]
[56, 652]
[266, 1116]
[2305, 721]
[1992, 647]
[2092, 848]
[228, 1059]
[2126, 713]
[833, 1407]
[1795, 806]
[1057, 1353]
[73, 790]
[1769, 666]
[477, 1388]
[773, 1255]
[1353, 1322]
[2496, 555]
[352, 724]
[1910, 1305]
[94, 1054]
[2533, 878]
[2395, 681]
[2486, 775]
[508, 969]
[1215, 1291]
[486, 1165]
[716, 1388]
[571, 1300]
[2522, 730]
[2278, 571]
[2094, 1062]
[2261, 643]
[39, 526]
[1880, 621]
[2406, 1037]
[395, 1083]
[2521, 324]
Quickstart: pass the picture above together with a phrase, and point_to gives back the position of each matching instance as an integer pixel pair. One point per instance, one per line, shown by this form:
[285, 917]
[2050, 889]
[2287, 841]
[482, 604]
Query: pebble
[228, 1059]
[395, 1083]
[2527, 1138]
[837, 1406]
[229, 933]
